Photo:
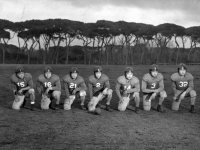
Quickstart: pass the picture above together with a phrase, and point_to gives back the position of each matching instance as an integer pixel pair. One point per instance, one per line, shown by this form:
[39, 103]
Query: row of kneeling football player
[127, 87]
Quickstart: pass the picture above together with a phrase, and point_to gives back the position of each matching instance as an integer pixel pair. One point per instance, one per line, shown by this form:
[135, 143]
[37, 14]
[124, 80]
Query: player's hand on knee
[105, 91]
[153, 96]
[156, 91]
[74, 91]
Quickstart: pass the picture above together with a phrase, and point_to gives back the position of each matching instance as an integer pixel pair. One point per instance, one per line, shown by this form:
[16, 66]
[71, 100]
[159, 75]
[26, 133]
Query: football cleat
[108, 108]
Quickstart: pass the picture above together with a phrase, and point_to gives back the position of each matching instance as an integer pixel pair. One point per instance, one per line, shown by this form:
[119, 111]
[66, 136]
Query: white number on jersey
[98, 85]
[48, 84]
[183, 84]
[153, 85]
[21, 84]
[72, 86]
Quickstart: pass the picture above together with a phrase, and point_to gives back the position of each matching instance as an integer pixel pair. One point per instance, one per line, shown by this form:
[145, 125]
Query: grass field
[78, 129]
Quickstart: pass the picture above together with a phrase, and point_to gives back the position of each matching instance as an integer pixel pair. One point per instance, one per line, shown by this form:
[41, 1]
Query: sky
[185, 13]
[181, 12]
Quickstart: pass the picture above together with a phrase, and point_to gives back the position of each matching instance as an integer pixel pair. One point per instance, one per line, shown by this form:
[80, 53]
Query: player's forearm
[160, 89]
[81, 88]
[39, 90]
[66, 89]
[188, 89]
[118, 94]
[90, 93]
[145, 90]
[30, 83]
[26, 88]
[133, 90]
[56, 88]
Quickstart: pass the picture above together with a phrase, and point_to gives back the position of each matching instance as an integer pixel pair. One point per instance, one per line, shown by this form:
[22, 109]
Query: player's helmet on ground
[19, 69]
[97, 69]
[73, 70]
[48, 69]
[182, 66]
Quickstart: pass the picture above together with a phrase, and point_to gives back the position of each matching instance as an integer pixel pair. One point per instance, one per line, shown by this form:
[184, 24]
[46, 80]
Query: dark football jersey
[151, 82]
[182, 83]
[46, 83]
[73, 84]
[22, 83]
[127, 84]
[99, 84]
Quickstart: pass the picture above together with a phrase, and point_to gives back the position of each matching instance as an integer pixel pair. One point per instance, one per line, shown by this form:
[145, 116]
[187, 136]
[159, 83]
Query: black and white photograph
[99, 74]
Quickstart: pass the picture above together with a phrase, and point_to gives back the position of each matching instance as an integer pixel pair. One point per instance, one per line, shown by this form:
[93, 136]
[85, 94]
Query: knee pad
[82, 93]
[19, 99]
[163, 94]
[193, 93]
[123, 103]
[45, 101]
[92, 104]
[56, 94]
[68, 102]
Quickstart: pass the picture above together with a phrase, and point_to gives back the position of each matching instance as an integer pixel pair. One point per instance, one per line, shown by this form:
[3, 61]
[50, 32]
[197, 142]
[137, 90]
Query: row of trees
[104, 42]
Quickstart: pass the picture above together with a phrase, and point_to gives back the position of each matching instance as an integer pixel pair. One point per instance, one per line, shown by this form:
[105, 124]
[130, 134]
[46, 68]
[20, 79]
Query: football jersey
[51, 82]
[151, 82]
[99, 84]
[22, 83]
[73, 84]
[182, 83]
[127, 84]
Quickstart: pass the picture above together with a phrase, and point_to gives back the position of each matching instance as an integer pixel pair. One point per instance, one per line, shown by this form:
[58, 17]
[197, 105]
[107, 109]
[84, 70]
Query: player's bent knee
[56, 94]
[137, 94]
[82, 93]
[31, 91]
[193, 93]
[110, 91]
[163, 94]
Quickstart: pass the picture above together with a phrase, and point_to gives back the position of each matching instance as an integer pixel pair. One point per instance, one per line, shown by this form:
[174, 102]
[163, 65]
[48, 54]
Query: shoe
[83, 107]
[192, 111]
[54, 108]
[32, 107]
[137, 110]
[108, 108]
[159, 109]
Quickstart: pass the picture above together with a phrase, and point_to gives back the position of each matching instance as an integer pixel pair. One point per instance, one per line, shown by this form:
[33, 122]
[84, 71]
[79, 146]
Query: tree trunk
[67, 55]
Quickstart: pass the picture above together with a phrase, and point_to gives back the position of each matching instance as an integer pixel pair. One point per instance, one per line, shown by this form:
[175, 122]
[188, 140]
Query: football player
[48, 86]
[74, 86]
[182, 85]
[22, 87]
[128, 86]
[99, 88]
[153, 85]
